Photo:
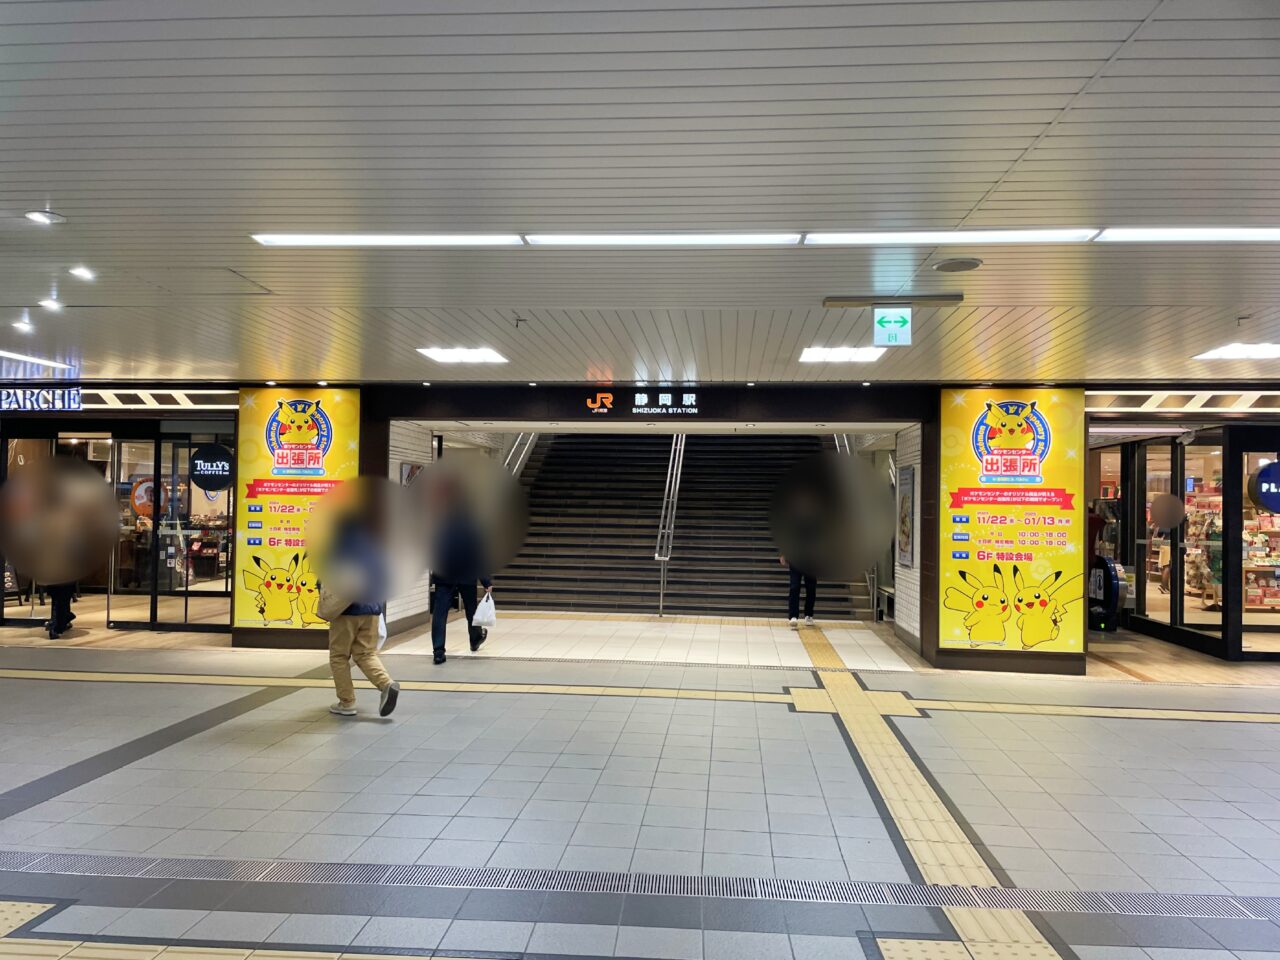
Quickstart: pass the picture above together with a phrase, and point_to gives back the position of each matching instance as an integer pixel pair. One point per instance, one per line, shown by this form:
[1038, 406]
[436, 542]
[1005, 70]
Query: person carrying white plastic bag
[486, 615]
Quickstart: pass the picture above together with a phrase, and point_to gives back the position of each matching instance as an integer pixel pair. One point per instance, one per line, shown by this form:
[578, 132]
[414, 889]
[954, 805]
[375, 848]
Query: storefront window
[1202, 556]
[1156, 559]
[1260, 560]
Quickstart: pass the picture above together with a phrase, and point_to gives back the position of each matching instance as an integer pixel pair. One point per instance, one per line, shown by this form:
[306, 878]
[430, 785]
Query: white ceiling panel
[168, 131]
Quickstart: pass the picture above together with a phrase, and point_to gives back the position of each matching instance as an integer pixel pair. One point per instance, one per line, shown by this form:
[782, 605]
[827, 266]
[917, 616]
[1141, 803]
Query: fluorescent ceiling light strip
[841, 354]
[389, 239]
[1242, 351]
[1190, 235]
[462, 354]
[947, 237]
[39, 361]
[663, 239]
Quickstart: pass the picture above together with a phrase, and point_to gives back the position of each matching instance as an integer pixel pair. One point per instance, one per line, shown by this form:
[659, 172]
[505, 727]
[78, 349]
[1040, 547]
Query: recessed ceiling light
[937, 238]
[866, 383]
[39, 361]
[1190, 235]
[51, 304]
[1242, 351]
[45, 217]
[751, 383]
[462, 354]
[271, 383]
[23, 326]
[841, 354]
[662, 239]
[532, 384]
[426, 383]
[83, 272]
[322, 383]
[389, 239]
[957, 265]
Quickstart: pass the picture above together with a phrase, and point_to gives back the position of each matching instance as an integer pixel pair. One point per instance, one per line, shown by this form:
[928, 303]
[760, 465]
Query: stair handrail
[518, 455]
[667, 520]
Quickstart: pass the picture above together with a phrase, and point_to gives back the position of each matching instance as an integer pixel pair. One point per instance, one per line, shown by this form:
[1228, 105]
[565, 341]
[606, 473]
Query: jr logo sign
[601, 403]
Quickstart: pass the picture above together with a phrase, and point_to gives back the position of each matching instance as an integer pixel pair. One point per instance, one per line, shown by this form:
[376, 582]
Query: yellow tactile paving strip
[935, 841]
[15, 913]
[581, 690]
[1118, 713]
[28, 949]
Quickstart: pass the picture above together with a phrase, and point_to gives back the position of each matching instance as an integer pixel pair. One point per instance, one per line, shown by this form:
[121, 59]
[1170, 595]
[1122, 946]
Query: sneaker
[478, 638]
[808, 621]
[390, 694]
[794, 623]
[439, 657]
[343, 710]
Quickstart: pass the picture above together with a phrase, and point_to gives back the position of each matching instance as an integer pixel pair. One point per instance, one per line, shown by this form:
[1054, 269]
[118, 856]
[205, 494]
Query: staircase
[723, 560]
[594, 506]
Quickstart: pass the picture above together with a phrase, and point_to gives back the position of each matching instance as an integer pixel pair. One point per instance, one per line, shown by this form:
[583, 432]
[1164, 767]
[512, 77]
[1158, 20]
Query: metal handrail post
[667, 520]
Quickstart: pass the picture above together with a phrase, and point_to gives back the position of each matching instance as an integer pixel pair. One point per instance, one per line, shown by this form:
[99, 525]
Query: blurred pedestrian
[458, 563]
[793, 595]
[354, 634]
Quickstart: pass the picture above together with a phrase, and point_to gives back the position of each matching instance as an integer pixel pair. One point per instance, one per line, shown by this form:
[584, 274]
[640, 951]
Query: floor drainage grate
[600, 881]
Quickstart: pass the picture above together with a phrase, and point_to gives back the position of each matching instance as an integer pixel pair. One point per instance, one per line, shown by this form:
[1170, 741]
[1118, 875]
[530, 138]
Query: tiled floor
[721, 640]
[594, 756]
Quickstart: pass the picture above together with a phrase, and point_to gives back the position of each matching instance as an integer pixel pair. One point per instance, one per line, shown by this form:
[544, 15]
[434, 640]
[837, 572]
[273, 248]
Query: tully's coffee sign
[211, 467]
[38, 399]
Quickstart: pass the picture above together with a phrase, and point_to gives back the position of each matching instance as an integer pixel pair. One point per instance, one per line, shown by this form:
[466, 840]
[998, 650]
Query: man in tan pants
[355, 637]
[354, 634]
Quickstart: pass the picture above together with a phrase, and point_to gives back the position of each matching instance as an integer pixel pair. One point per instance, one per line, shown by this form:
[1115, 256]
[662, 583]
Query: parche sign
[210, 467]
[37, 399]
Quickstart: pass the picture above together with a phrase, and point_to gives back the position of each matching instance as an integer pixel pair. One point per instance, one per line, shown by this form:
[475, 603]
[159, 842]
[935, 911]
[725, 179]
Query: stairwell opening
[595, 503]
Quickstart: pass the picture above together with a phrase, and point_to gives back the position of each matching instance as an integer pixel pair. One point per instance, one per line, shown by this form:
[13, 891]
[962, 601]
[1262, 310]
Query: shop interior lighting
[462, 354]
[1190, 235]
[1242, 351]
[51, 304]
[937, 238]
[83, 272]
[1136, 429]
[45, 217]
[663, 239]
[841, 354]
[38, 361]
[389, 239]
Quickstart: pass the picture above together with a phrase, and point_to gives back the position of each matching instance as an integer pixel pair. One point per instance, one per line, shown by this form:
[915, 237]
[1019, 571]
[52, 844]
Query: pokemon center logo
[1011, 438]
[298, 435]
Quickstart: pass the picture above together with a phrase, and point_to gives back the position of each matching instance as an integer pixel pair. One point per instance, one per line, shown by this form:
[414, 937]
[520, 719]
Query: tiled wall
[907, 579]
[411, 443]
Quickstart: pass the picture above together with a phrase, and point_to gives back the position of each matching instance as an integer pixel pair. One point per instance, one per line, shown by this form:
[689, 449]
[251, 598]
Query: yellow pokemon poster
[1013, 524]
[295, 445]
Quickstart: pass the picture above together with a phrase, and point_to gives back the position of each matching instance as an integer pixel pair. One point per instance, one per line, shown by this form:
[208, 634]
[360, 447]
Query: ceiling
[168, 131]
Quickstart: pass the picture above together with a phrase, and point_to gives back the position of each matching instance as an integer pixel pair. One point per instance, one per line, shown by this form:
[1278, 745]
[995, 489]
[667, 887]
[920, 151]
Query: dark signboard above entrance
[656, 403]
[38, 399]
[210, 467]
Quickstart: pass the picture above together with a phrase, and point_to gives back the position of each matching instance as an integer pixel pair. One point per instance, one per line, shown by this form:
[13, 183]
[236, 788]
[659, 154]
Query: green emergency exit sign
[892, 326]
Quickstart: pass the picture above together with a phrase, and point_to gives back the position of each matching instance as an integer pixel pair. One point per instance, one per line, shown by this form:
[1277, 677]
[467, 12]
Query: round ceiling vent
[957, 265]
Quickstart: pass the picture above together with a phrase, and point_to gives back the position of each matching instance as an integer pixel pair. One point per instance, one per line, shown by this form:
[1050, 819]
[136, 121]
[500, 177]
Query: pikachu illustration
[1040, 608]
[1007, 431]
[307, 590]
[276, 590]
[986, 607]
[297, 420]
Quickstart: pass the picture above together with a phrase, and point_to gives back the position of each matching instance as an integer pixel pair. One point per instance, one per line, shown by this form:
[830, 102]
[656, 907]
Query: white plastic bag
[486, 615]
[382, 630]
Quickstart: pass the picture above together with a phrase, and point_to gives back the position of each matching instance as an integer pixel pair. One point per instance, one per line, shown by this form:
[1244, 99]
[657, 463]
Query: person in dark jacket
[354, 634]
[458, 562]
